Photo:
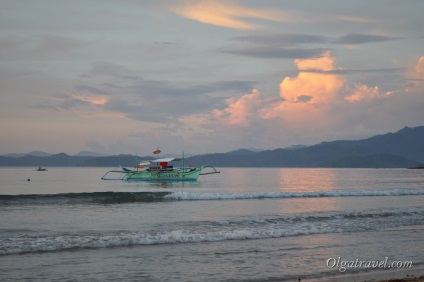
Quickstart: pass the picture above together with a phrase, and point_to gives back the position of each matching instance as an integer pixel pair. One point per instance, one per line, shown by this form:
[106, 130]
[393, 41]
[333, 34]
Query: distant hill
[52, 160]
[33, 153]
[295, 147]
[241, 152]
[90, 154]
[404, 148]
[377, 161]
[114, 161]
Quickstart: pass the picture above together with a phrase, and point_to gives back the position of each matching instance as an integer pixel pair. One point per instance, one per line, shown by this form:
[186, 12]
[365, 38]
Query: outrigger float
[160, 170]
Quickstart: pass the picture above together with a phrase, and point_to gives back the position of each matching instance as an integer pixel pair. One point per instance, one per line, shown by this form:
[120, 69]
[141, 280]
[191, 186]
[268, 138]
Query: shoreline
[395, 275]
[408, 278]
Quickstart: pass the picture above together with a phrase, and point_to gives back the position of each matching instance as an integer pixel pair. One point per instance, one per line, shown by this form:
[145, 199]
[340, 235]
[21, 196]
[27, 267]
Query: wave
[213, 231]
[146, 197]
[83, 198]
[279, 195]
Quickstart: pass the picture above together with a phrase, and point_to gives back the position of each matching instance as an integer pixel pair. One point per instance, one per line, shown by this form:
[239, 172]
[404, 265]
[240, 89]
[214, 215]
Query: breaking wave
[146, 197]
[83, 198]
[213, 231]
[279, 195]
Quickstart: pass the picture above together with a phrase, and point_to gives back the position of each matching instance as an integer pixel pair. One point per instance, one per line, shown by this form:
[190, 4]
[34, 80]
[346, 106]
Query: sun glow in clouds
[209, 75]
[310, 87]
[93, 100]
[239, 111]
[419, 68]
[306, 101]
[228, 14]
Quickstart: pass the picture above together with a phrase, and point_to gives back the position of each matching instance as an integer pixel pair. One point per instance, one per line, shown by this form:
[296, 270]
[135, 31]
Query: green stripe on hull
[176, 175]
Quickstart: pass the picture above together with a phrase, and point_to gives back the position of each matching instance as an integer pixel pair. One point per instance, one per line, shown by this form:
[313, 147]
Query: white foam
[61, 243]
[277, 195]
[245, 229]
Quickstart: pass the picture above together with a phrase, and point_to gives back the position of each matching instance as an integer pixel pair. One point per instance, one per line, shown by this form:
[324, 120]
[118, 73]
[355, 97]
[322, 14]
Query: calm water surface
[243, 224]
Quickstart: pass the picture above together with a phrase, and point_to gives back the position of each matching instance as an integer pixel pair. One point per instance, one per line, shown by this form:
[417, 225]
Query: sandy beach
[409, 278]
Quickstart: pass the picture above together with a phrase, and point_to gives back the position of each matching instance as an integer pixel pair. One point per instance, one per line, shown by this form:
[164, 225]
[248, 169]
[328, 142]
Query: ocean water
[244, 224]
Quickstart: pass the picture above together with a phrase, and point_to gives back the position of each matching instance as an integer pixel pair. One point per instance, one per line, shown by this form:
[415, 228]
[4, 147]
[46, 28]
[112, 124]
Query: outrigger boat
[160, 170]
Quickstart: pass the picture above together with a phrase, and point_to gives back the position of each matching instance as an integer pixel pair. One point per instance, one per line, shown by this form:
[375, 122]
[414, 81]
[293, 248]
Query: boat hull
[175, 175]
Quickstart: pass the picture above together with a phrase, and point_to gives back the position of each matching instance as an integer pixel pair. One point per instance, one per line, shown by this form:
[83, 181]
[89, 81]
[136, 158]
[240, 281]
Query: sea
[243, 224]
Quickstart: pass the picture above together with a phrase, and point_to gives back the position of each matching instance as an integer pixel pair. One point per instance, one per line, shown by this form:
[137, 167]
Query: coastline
[396, 275]
[408, 278]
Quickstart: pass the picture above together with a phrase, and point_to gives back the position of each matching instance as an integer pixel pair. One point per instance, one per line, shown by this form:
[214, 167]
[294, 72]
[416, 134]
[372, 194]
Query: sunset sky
[127, 76]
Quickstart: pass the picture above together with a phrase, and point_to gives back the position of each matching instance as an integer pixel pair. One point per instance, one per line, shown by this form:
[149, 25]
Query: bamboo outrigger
[160, 169]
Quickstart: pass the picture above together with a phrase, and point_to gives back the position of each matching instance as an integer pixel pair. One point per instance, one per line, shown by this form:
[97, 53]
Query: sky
[129, 77]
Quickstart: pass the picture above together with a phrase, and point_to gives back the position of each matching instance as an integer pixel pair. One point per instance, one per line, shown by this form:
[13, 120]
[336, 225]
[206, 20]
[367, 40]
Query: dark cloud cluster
[291, 39]
[150, 100]
[357, 38]
[292, 46]
[40, 47]
[161, 101]
[354, 71]
[277, 52]
[285, 39]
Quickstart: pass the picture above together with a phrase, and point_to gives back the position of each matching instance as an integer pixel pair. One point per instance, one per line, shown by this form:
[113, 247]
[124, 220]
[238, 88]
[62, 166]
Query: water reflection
[247, 179]
[168, 185]
[307, 179]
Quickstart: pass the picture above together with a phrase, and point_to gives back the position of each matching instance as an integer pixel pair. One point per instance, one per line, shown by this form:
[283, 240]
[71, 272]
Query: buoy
[29, 179]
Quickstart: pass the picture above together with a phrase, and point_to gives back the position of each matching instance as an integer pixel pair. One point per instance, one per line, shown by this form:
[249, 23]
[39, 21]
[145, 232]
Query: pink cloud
[313, 87]
[415, 77]
[91, 99]
[419, 67]
[362, 92]
[227, 14]
[313, 104]
[240, 112]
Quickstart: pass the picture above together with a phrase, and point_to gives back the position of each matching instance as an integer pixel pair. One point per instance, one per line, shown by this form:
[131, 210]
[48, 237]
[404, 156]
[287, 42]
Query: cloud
[239, 112]
[72, 101]
[228, 14]
[277, 52]
[355, 19]
[363, 92]
[106, 69]
[160, 102]
[310, 106]
[92, 100]
[90, 89]
[284, 39]
[291, 45]
[312, 89]
[320, 88]
[356, 39]
[155, 101]
[41, 47]
[356, 71]
[419, 67]
[415, 78]
[294, 39]
[167, 89]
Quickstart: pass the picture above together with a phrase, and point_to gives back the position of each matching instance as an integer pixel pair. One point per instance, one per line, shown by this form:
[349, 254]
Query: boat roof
[165, 160]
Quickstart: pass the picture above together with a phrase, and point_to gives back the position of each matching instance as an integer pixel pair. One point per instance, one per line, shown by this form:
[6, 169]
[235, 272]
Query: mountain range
[404, 148]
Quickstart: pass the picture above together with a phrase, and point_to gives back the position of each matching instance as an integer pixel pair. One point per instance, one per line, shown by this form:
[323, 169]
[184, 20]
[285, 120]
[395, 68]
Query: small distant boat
[160, 170]
[41, 169]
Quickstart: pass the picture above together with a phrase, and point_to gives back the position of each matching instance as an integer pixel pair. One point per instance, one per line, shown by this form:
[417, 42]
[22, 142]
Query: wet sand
[411, 278]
